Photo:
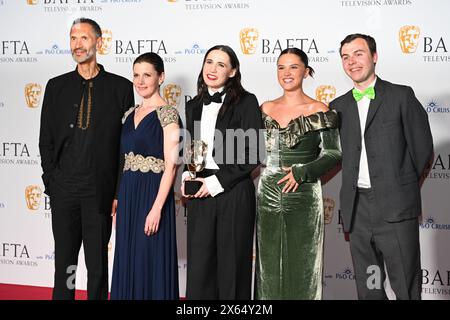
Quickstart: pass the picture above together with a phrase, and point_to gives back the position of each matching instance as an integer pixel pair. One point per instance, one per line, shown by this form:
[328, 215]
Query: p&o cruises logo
[434, 107]
[431, 224]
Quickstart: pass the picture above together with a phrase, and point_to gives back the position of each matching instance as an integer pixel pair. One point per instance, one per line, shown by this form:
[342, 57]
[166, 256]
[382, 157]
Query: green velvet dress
[289, 226]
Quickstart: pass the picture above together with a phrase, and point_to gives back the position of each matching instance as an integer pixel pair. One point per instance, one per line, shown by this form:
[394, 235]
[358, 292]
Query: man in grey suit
[386, 146]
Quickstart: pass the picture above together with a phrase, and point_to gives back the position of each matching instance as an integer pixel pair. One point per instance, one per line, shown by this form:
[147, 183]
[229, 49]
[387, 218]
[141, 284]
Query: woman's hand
[182, 187]
[152, 221]
[203, 192]
[291, 185]
[113, 212]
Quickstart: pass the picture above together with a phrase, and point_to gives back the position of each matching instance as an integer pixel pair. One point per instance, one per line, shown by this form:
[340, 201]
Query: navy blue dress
[145, 267]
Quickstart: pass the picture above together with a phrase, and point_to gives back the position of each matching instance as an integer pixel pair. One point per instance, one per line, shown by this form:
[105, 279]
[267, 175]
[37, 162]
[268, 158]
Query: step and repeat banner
[413, 38]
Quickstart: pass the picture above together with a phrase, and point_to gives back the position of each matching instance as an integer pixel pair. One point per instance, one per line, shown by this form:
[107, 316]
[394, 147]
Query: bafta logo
[178, 202]
[409, 38]
[248, 39]
[33, 195]
[325, 93]
[172, 94]
[33, 94]
[328, 210]
[105, 48]
[32, 2]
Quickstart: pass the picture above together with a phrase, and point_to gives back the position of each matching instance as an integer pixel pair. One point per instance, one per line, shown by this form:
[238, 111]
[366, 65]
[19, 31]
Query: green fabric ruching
[289, 226]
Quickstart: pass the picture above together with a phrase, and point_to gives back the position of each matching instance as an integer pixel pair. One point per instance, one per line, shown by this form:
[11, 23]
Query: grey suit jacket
[399, 147]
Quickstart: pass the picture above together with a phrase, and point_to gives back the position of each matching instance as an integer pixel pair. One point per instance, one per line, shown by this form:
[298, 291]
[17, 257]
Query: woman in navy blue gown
[145, 260]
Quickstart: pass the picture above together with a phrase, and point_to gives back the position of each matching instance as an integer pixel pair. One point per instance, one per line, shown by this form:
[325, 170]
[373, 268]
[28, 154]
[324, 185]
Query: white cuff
[213, 185]
[184, 175]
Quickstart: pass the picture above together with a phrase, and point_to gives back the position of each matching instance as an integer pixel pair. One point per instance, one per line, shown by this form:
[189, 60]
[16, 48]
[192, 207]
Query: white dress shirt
[363, 109]
[207, 130]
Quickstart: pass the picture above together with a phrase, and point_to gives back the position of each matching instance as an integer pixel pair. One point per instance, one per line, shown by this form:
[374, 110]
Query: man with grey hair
[79, 145]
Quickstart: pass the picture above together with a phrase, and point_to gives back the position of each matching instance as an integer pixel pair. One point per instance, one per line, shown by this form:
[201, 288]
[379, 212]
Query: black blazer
[235, 164]
[112, 97]
[399, 147]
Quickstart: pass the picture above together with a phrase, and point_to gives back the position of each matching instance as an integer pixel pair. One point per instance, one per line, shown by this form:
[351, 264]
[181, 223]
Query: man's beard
[90, 53]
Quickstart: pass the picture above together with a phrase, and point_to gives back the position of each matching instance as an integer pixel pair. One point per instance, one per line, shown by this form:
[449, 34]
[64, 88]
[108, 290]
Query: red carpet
[18, 292]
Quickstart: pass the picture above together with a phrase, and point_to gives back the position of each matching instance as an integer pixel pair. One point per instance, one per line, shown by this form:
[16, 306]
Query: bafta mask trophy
[195, 160]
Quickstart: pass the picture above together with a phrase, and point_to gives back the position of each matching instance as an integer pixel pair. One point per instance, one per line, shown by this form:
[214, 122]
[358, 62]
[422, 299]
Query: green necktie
[369, 93]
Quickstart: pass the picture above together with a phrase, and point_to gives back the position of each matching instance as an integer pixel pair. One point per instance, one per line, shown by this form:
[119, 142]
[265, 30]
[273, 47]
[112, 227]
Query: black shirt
[76, 168]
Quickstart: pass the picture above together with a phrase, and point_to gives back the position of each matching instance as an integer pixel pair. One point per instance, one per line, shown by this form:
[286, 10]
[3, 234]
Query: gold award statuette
[195, 160]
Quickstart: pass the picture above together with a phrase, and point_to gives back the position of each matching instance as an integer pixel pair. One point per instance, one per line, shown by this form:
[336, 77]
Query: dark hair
[370, 42]
[92, 23]
[152, 58]
[301, 54]
[233, 87]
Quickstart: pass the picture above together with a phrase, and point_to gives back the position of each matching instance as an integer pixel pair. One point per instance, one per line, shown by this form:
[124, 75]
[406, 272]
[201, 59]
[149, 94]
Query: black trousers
[220, 244]
[375, 243]
[77, 220]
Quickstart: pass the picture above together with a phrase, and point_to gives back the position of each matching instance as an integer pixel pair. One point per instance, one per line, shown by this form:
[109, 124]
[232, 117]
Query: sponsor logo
[54, 49]
[172, 94]
[346, 274]
[47, 257]
[434, 107]
[195, 49]
[325, 93]
[430, 223]
[33, 93]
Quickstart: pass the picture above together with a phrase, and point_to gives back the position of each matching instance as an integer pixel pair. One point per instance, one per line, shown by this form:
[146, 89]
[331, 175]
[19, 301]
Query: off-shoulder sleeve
[330, 154]
[314, 122]
[167, 115]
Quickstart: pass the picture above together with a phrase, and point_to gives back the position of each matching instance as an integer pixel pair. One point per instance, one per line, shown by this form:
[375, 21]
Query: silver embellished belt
[144, 164]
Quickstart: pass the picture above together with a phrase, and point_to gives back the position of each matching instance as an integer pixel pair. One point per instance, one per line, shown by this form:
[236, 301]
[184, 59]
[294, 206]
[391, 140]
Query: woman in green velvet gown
[302, 144]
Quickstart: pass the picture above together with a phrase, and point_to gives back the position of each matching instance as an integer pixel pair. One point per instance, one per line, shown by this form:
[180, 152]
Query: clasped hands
[203, 192]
